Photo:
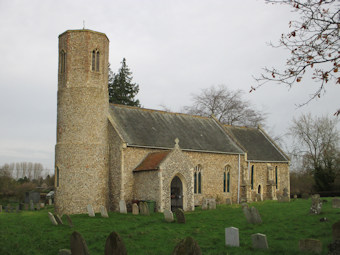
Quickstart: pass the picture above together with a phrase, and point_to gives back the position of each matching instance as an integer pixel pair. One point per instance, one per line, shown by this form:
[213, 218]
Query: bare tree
[226, 105]
[313, 43]
[37, 170]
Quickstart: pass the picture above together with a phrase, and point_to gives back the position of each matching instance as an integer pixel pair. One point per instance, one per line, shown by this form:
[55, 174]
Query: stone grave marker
[21, 206]
[58, 219]
[135, 209]
[144, 208]
[38, 206]
[295, 196]
[232, 237]
[310, 245]
[17, 209]
[69, 221]
[180, 215]
[247, 213]
[228, 201]
[31, 205]
[103, 212]
[6, 209]
[52, 219]
[49, 201]
[65, 252]
[114, 245]
[90, 211]
[334, 248]
[42, 205]
[205, 204]
[336, 203]
[259, 241]
[168, 216]
[78, 244]
[212, 204]
[255, 215]
[122, 206]
[26, 207]
[0, 208]
[258, 197]
[316, 204]
[187, 246]
[336, 231]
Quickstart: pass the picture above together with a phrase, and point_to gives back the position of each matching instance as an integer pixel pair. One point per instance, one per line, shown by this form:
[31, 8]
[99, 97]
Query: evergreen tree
[121, 88]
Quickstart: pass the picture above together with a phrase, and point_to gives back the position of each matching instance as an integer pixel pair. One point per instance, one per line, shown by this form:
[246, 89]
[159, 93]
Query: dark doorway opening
[176, 193]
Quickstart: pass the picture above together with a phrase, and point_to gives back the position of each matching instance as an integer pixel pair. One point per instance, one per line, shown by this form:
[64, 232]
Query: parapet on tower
[81, 152]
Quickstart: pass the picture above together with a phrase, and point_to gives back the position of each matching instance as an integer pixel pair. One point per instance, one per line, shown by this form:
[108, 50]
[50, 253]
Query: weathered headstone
[187, 246]
[256, 218]
[49, 201]
[336, 230]
[0, 208]
[205, 204]
[228, 201]
[58, 219]
[232, 237]
[52, 219]
[259, 241]
[334, 248]
[295, 196]
[38, 206]
[69, 221]
[122, 206]
[144, 208]
[114, 245]
[180, 215]
[90, 211]
[65, 252]
[103, 212]
[26, 207]
[17, 209]
[212, 204]
[78, 244]
[31, 205]
[135, 209]
[247, 213]
[336, 203]
[310, 245]
[316, 204]
[42, 205]
[258, 197]
[168, 216]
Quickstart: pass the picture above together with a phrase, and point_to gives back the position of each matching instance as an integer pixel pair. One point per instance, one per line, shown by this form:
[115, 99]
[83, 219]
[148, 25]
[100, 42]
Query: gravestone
[212, 204]
[295, 196]
[180, 215]
[58, 219]
[103, 212]
[78, 244]
[135, 209]
[49, 201]
[42, 205]
[187, 246]
[65, 252]
[336, 203]
[205, 204]
[38, 206]
[232, 237]
[52, 219]
[336, 231]
[334, 248]
[90, 211]
[144, 208]
[21, 206]
[256, 218]
[0, 208]
[9, 208]
[114, 245]
[26, 207]
[17, 209]
[316, 204]
[168, 216]
[122, 206]
[310, 245]
[228, 201]
[6, 209]
[246, 211]
[69, 221]
[258, 197]
[259, 241]
[31, 205]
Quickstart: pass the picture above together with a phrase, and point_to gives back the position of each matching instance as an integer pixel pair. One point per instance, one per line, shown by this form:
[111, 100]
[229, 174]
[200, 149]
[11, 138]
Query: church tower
[81, 152]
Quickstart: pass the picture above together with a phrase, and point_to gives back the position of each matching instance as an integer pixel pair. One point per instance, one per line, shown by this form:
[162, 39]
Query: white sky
[174, 49]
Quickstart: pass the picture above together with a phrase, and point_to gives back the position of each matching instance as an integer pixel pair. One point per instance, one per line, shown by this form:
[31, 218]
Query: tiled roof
[152, 161]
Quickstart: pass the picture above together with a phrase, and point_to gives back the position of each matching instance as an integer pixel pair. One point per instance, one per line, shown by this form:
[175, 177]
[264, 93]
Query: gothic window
[62, 61]
[252, 177]
[276, 177]
[198, 179]
[226, 179]
[95, 60]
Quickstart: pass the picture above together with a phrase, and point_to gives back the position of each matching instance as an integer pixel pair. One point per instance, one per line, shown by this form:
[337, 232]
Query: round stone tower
[81, 152]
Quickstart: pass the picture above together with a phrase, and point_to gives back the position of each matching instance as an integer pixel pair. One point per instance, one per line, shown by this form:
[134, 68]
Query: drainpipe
[238, 186]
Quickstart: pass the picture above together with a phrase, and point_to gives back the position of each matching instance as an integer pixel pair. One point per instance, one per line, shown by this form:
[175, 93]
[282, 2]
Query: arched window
[226, 179]
[62, 61]
[276, 177]
[252, 177]
[95, 60]
[198, 179]
[57, 176]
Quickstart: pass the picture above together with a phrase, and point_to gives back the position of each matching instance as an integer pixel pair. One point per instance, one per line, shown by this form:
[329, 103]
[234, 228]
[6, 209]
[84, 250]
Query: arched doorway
[259, 190]
[176, 193]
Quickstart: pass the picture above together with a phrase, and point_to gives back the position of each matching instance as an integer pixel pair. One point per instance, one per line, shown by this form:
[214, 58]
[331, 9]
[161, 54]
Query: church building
[107, 152]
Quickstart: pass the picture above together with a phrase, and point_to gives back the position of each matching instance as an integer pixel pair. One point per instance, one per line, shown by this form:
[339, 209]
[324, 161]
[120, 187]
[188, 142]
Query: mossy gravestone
[78, 245]
[114, 245]
[187, 246]
[180, 215]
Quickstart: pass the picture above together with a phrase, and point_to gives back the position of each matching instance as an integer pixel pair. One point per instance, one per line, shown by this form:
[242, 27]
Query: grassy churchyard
[284, 224]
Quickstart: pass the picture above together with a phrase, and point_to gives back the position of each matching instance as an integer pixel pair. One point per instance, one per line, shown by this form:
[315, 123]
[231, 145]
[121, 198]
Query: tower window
[226, 179]
[252, 177]
[276, 177]
[62, 61]
[95, 60]
[197, 180]
[57, 176]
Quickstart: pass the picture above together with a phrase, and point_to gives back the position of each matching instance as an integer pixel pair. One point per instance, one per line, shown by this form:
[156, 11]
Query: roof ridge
[243, 127]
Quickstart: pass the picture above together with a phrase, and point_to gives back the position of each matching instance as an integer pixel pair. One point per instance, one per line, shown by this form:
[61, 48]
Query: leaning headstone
[168, 216]
[247, 213]
[228, 201]
[144, 208]
[103, 212]
[69, 221]
[255, 215]
[310, 245]
[212, 204]
[122, 206]
[180, 215]
[65, 252]
[187, 246]
[135, 209]
[31, 205]
[58, 219]
[336, 230]
[90, 211]
[316, 204]
[114, 245]
[336, 203]
[52, 219]
[259, 241]
[78, 244]
[232, 237]
[205, 204]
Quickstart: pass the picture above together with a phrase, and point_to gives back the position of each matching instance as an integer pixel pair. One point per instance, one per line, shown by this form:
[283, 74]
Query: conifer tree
[121, 88]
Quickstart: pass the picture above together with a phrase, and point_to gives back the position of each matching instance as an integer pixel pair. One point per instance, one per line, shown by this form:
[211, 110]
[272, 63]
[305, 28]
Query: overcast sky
[174, 49]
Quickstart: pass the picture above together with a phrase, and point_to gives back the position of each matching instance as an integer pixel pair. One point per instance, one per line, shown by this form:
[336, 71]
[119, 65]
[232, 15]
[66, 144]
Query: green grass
[283, 223]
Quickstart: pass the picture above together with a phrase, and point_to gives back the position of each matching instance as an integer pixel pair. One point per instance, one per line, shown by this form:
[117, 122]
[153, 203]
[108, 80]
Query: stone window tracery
[198, 179]
[226, 179]
[252, 177]
[62, 61]
[276, 177]
[95, 60]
